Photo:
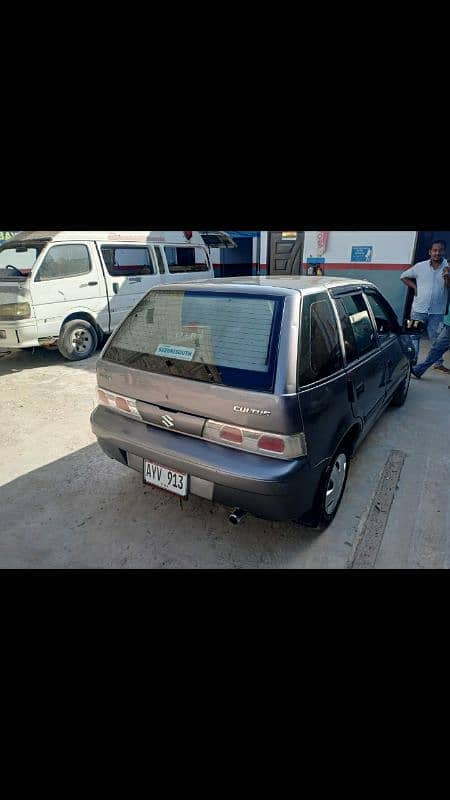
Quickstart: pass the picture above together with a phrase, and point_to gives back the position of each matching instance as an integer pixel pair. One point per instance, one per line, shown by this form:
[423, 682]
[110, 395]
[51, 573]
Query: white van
[68, 289]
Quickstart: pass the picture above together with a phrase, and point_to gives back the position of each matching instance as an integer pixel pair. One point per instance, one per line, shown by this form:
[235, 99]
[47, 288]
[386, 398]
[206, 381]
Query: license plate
[169, 479]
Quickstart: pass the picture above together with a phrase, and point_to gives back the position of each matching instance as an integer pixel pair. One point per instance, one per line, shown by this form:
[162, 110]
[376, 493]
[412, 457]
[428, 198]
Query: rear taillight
[122, 404]
[117, 401]
[103, 397]
[252, 441]
[231, 434]
[273, 444]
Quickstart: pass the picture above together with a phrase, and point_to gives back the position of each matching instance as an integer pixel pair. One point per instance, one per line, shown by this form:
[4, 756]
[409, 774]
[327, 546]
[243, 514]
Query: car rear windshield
[214, 337]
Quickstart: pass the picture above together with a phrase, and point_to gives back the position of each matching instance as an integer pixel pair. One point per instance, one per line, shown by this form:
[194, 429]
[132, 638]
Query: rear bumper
[266, 487]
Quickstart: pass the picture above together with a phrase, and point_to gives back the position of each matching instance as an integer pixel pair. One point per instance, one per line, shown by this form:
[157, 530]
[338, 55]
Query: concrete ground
[63, 503]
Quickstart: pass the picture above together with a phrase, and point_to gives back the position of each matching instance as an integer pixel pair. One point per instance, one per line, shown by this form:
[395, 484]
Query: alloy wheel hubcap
[336, 483]
[81, 341]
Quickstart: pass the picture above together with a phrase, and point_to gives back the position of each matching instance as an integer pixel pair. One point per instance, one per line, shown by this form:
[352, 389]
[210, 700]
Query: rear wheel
[78, 340]
[331, 490]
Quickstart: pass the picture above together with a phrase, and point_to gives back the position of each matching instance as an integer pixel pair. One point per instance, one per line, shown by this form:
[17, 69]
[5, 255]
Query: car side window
[127, 261]
[64, 261]
[357, 328]
[186, 259]
[385, 318]
[320, 348]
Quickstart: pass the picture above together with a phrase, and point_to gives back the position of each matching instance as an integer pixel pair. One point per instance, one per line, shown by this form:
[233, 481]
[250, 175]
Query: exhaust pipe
[237, 516]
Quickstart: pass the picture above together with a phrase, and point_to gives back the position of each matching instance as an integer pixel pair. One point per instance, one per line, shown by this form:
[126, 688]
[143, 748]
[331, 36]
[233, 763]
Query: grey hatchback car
[253, 393]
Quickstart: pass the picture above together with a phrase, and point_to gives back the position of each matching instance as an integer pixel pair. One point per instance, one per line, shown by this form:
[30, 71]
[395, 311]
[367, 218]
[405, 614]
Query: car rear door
[322, 383]
[365, 359]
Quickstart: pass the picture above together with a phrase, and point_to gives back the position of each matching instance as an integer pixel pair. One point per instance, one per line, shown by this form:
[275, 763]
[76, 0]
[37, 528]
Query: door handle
[360, 389]
[115, 288]
[93, 283]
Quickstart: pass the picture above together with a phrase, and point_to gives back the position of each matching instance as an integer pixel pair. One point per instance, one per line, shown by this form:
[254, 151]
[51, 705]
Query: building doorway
[285, 252]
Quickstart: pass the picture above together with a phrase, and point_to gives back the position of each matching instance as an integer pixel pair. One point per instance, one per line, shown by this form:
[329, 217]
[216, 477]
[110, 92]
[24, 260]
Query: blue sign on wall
[362, 254]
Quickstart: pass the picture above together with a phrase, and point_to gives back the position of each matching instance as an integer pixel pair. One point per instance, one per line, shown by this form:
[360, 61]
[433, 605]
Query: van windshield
[21, 257]
[215, 337]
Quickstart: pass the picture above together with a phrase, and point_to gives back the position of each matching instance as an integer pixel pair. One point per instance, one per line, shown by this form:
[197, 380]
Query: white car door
[67, 280]
[130, 271]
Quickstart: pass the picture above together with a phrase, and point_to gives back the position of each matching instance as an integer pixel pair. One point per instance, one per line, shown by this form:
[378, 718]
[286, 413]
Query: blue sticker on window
[172, 351]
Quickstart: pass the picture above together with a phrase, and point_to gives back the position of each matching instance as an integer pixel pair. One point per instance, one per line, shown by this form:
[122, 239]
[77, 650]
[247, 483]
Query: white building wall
[264, 255]
[389, 247]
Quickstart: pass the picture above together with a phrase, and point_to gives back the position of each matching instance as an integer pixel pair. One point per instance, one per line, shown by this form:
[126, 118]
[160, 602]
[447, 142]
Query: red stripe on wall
[364, 267]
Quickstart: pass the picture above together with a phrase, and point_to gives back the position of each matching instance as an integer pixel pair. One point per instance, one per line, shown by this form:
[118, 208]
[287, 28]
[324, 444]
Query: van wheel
[399, 398]
[78, 340]
[332, 488]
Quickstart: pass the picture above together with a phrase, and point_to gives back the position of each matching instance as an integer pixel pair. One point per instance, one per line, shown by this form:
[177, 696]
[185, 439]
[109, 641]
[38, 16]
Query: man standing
[431, 295]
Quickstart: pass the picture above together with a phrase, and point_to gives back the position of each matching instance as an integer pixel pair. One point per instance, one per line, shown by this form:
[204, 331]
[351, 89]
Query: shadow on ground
[32, 358]
[85, 510]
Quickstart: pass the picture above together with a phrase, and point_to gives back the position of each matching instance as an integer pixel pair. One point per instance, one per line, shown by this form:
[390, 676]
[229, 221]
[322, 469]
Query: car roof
[301, 283]
[140, 237]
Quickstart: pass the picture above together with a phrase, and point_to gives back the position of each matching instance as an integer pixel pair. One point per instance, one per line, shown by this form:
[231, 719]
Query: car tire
[400, 395]
[78, 340]
[332, 488]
